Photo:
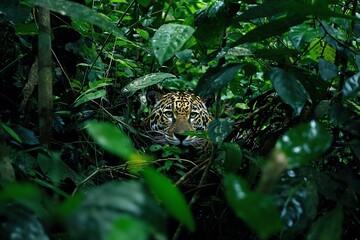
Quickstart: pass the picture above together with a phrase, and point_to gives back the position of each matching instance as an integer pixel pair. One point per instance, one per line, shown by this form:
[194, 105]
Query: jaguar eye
[193, 114]
[168, 114]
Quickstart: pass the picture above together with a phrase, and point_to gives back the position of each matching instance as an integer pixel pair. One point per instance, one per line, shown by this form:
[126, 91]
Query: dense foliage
[285, 152]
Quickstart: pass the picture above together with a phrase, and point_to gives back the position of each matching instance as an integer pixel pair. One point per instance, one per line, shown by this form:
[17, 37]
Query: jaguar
[173, 114]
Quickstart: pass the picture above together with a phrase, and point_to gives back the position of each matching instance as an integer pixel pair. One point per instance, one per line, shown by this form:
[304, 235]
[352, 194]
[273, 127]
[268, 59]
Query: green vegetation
[284, 159]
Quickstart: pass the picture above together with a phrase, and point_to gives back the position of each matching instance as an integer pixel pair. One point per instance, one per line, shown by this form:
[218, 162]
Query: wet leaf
[146, 81]
[328, 226]
[169, 39]
[352, 86]
[216, 78]
[297, 199]
[289, 89]
[219, 129]
[304, 143]
[79, 11]
[258, 211]
[170, 197]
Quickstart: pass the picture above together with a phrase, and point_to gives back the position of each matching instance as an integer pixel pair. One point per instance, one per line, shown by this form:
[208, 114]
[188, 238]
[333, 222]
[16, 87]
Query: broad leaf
[146, 81]
[302, 34]
[88, 96]
[328, 226]
[107, 206]
[219, 129]
[233, 156]
[352, 86]
[76, 10]
[273, 28]
[327, 69]
[297, 199]
[216, 78]
[169, 39]
[170, 197]
[258, 211]
[289, 89]
[304, 143]
[55, 169]
[216, 17]
[110, 138]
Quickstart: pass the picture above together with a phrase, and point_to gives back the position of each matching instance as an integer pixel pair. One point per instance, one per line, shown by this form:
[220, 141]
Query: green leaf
[289, 89]
[127, 227]
[11, 132]
[302, 34]
[54, 168]
[233, 156]
[273, 28]
[76, 10]
[297, 198]
[258, 211]
[211, 22]
[304, 143]
[216, 78]
[327, 69]
[108, 205]
[109, 137]
[170, 197]
[25, 194]
[328, 226]
[169, 39]
[88, 96]
[219, 129]
[146, 81]
[352, 86]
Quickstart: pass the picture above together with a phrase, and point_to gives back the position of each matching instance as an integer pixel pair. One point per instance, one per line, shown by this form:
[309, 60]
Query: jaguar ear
[209, 100]
[153, 97]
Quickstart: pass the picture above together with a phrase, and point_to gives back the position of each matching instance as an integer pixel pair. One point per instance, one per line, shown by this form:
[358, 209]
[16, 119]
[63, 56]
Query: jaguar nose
[180, 136]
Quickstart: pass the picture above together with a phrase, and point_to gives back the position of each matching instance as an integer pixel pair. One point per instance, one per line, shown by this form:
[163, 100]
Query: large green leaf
[216, 78]
[76, 10]
[116, 203]
[303, 143]
[55, 169]
[258, 211]
[170, 197]
[89, 96]
[328, 226]
[297, 199]
[219, 129]
[111, 138]
[233, 156]
[273, 28]
[216, 17]
[145, 81]
[289, 89]
[327, 69]
[169, 39]
[352, 86]
[302, 34]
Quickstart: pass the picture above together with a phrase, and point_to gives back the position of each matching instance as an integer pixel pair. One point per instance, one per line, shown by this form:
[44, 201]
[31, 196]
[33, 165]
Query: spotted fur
[175, 113]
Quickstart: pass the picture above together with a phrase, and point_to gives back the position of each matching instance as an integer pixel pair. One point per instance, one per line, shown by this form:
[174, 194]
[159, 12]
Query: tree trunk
[45, 102]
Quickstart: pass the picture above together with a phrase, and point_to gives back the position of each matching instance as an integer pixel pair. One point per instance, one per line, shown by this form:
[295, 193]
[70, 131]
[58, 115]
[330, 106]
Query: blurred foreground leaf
[303, 143]
[257, 210]
[170, 197]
